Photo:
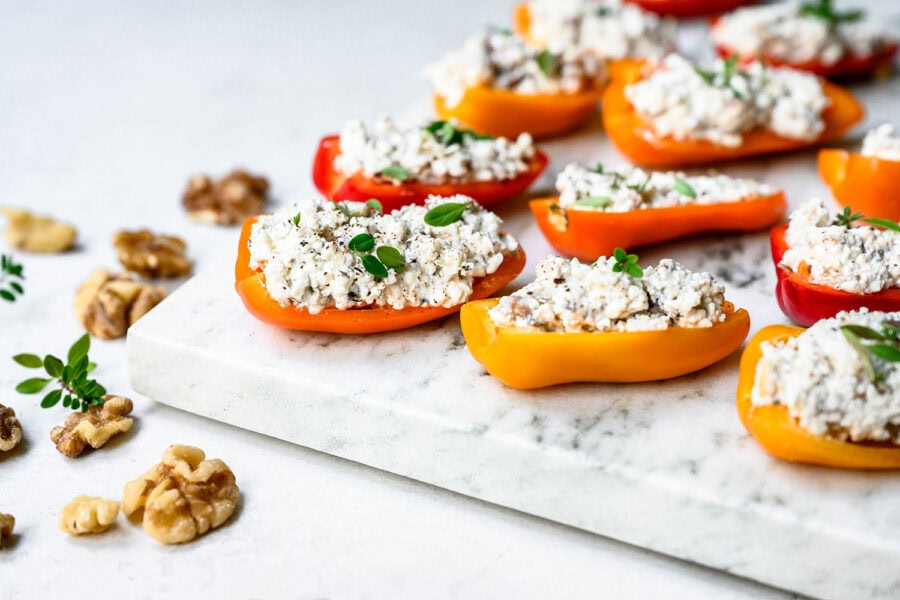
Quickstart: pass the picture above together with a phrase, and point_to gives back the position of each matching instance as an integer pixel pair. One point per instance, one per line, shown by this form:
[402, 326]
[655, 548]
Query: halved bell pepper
[868, 184]
[587, 234]
[685, 9]
[251, 287]
[780, 434]
[507, 113]
[526, 359]
[634, 136]
[805, 302]
[359, 188]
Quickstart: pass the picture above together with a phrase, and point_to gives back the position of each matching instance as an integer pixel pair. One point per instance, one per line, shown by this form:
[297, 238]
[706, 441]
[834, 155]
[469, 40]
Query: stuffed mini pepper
[828, 395]
[675, 113]
[827, 264]
[599, 209]
[685, 9]
[350, 268]
[609, 321]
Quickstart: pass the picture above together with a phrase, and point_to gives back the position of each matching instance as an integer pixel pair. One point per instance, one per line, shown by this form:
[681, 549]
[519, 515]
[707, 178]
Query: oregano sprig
[869, 344]
[448, 134]
[75, 389]
[729, 70]
[11, 278]
[847, 218]
[446, 214]
[385, 257]
[626, 263]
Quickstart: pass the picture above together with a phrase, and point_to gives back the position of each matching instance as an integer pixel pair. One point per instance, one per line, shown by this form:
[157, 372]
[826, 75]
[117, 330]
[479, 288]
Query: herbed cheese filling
[823, 381]
[305, 253]
[432, 153]
[609, 30]
[503, 61]
[857, 258]
[786, 32]
[631, 188]
[882, 142]
[686, 102]
[571, 296]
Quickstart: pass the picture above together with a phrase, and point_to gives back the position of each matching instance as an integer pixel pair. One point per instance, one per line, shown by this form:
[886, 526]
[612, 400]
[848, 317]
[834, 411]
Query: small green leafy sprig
[397, 174]
[626, 263]
[729, 70]
[684, 188]
[385, 257]
[75, 389]
[869, 344]
[847, 218]
[447, 133]
[445, 214]
[547, 62]
[10, 272]
[372, 207]
[824, 10]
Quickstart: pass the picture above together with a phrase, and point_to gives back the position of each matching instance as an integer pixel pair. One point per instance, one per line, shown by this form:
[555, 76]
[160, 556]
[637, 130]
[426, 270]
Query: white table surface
[105, 111]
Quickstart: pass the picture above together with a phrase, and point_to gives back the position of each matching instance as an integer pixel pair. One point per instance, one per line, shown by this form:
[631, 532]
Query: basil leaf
[374, 266]
[445, 214]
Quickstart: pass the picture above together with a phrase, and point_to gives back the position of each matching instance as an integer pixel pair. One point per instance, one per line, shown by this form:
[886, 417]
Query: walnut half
[94, 427]
[225, 201]
[7, 523]
[10, 429]
[107, 305]
[86, 514]
[151, 255]
[184, 496]
[35, 233]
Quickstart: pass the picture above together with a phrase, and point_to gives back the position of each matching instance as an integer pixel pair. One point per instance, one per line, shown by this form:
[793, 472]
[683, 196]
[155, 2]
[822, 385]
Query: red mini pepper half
[634, 137]
[868, 184]
[805, 302]
[251, 287]
[359, 188]
[685, 9]
[587, 234]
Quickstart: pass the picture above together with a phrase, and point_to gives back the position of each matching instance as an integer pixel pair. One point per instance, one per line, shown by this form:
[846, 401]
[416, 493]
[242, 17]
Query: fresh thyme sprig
[75, 390]
[385, 257]
[627, 263]
[729, 70]
[824, 10]
[847, 217]
[446, 214]
[448, 134]
[870, 344]
[10, 272]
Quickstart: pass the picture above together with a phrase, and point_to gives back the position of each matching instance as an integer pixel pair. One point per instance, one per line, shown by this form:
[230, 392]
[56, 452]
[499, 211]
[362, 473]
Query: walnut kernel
[151, 255]
[225, 201]
[36, 233]
[93, 428]
[107, 305]
[10, 429]
[184, 496]
[7, 523]
[86, 514]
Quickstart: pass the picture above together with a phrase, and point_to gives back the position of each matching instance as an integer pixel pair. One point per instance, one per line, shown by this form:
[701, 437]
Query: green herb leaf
[7, 295]
[51, 399]
[635, 271]
[79, 349]
[864, 333]
[53, 366]
[445, 214]
[361, 243]
[863, 353]
[395, 173]
[599, 168]
[343, 209]
[32, 386]
[546, 62]
[825, 11]
[594, 201]
[885, 223]
[9, 269]
[626, 263]
[888, 353]
[620, 255]
[375, 205]
[846, 218]
[684, 188]
[391, 258]
[296, 219]
[31, 361]
[374, 266]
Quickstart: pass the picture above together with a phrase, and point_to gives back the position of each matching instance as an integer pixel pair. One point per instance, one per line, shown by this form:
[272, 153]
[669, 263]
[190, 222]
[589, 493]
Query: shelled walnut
[86, 514]
[225, 201]
[93, 428]
[184, 496]
[7, 523]
[10, 429]
[151, 255]
[107, 305]
[36, 233]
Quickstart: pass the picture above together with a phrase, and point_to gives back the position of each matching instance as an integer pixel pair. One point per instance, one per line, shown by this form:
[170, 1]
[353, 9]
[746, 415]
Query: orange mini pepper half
[588, 234]
[634, 136]
[527, 359]
[251, 287]
[507, 113]
[781, 435]
[867, 184]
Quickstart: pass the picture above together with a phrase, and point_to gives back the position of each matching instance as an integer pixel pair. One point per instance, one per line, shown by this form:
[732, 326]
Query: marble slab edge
[612, 500]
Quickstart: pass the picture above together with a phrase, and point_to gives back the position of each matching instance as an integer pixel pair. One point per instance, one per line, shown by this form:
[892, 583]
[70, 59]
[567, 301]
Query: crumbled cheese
[572, 296]
[308, 264]
[821, 380]
[609, 30]
[882, 142]
[426, 158]
[860, 260]
[503, 61]
[680, 103]
[630, 188]
[782, 33]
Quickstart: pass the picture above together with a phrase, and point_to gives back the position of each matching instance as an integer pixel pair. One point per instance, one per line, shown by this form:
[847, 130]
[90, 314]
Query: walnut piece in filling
[10, 429]
[36, 233]
[7, 523]
[93, 428]
[150, 255]
[184, 496]
[107, 305]
[225, 201]
[86, 514]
